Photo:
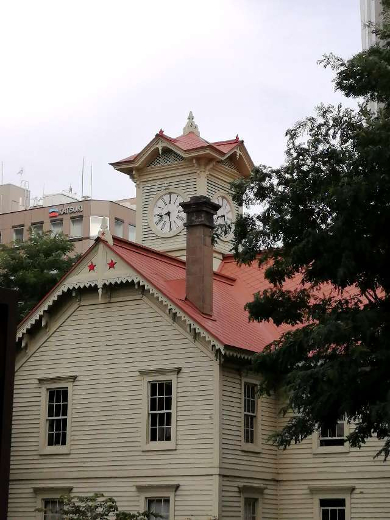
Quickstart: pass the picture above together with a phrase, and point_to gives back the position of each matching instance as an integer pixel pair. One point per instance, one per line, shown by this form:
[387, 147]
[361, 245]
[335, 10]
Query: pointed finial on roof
[161, 131]
[104, 231]
[237, 138]
[191, 126]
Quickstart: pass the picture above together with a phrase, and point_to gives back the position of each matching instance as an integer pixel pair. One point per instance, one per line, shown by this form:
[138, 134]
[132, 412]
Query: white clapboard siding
[184, 180]
[369, 500]
[233, 457]
[106, 345]
[216, 185]
[300, 460]
[192, 499]
[299, 466]
[232, 501]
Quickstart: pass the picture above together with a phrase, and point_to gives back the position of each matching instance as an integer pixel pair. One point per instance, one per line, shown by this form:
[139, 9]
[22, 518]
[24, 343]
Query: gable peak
[191, 126]
[104, 231]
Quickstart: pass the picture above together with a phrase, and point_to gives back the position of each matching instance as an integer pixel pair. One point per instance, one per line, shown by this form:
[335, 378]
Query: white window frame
[257, 445]
[34, 226]
[94, 221]
[72, 219]
[253, 492]
[317, 449]
[152, 491]
[323, 492]
[133, 238]
[46, 385]
[14, 229]
[122, 224]
[54, 221]
[160, 374]
[48, 493]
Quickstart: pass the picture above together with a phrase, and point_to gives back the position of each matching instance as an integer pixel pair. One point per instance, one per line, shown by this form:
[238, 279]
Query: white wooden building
[131, 375]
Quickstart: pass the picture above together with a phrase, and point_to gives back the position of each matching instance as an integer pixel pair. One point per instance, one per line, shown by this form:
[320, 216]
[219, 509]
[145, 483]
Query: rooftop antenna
[82, 179]
[20, 172]
[91, 177]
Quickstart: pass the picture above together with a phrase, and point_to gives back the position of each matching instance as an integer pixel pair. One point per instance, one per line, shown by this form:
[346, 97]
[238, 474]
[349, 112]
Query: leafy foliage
[324, 223]
[97, 507]
[34, 267]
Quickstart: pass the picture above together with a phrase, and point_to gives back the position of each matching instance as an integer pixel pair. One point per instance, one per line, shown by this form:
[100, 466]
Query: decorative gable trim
[228, 163]
[101, 279]
[165, 157]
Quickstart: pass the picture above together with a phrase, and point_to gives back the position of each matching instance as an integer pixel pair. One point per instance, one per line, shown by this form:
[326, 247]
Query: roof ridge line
[173, 259]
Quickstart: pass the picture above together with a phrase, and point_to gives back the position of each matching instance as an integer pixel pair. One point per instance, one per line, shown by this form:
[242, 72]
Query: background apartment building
[80, 220]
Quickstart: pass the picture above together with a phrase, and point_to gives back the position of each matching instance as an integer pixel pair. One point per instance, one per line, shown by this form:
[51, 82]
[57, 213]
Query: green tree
[34, 267]
[324, 222]
[97, 507]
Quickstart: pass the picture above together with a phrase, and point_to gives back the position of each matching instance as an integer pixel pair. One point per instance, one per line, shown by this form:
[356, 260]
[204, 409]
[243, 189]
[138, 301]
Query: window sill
[251, 448]
[159, 446]
[63, 450]
[321, 450]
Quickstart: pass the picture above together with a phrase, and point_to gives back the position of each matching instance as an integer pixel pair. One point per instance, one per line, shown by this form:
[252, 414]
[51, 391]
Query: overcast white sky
[100, 78]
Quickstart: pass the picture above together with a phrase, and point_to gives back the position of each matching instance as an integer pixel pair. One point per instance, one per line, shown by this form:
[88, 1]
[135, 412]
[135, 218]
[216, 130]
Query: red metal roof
[189, 142]
[233, 287]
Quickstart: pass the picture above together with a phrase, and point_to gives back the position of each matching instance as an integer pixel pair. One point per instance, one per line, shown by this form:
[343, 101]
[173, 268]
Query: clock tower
[170, 170]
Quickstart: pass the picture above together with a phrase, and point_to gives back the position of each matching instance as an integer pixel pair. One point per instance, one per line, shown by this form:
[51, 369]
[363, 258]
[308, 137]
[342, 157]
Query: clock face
[224, 215]
[168, 215]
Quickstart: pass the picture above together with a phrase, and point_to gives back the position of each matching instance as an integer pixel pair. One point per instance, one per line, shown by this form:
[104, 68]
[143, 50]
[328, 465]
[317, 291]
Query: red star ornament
[91, 266]
[111, 264]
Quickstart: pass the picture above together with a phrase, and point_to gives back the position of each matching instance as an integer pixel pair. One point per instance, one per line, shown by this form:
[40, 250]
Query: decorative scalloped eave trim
[138, 281]
[50, 301]
[233, 353]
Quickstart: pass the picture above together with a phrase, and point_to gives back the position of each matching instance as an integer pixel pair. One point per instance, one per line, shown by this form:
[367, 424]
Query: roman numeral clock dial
[168, 215]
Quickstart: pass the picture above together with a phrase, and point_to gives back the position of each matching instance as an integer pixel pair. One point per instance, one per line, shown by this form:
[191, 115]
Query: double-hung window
[158, 500]
[250, 508]
[331, 439]
[332, 508]
[158, 507]
[334, 436]
[56, 408]
[251, 499]
[250, 416]
[160, 411]
[52, 509]
[48, 504]
[332, 502]
[57, 416]
[159, 408]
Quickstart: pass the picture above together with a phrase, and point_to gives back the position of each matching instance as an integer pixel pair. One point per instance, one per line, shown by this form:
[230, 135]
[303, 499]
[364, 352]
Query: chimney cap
[200, 211]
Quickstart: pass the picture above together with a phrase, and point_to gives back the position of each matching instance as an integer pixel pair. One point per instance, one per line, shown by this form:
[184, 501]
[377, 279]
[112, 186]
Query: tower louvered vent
[166, 157]
[229, 164]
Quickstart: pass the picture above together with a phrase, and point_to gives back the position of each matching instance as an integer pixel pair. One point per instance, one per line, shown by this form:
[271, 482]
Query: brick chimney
[200, 213]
